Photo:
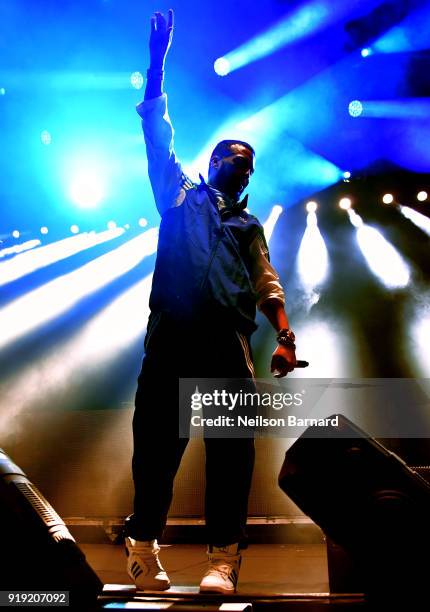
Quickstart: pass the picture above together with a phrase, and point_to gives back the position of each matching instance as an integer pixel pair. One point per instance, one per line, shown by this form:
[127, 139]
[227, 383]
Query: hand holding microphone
[283, 358]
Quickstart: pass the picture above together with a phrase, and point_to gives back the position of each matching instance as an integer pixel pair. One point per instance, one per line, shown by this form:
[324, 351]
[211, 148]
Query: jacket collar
[234, 206]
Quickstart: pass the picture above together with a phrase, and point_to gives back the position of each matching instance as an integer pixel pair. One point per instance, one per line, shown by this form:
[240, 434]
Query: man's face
[231, 174]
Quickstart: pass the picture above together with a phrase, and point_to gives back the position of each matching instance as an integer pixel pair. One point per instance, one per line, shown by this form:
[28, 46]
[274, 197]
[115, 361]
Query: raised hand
[160, 38]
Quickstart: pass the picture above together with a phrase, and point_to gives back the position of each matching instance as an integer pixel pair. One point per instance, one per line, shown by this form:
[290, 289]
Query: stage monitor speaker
[38, 551]
[367, 501]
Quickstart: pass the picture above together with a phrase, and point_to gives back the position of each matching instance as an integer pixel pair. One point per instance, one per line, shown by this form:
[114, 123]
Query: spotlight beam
[272, 219]
[382, 258]
[261, 129]
[331, 362]
[407, 108]
[419, 339]
[312, 258]
[19, 248]
[298, 24]
[46, 255]
[416, 218]
[65, 80]
[410, 35]
[102, 338]
[52, 299]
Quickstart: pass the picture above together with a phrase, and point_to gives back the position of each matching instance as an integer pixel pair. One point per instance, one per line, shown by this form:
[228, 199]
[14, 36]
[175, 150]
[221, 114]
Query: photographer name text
[260, 421]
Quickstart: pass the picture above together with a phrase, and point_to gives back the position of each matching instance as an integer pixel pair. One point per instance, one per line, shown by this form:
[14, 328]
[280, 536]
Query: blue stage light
[406, 108]
[308, 171]
[366, 52]
[394, 41]
[2, 91]
[409, 35]
[222, 66]
[355, 108]
[347, 175]
[301, 22]
[46, 137]
[16, 234]
[298, 169]
[87, 188]
[136, 79]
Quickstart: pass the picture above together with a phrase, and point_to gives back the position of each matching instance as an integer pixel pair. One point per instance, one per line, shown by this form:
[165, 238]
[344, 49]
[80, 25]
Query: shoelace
[223, 569]
[149, 557]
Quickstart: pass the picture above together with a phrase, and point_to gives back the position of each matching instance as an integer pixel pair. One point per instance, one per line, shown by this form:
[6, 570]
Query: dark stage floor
[285, 576]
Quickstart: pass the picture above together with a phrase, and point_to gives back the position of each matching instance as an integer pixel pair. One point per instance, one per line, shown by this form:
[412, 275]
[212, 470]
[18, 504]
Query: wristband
[286, 337]
[155, 73]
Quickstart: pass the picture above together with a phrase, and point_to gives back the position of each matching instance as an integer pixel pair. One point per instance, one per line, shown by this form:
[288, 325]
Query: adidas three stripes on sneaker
[223, 570]
[144, 567]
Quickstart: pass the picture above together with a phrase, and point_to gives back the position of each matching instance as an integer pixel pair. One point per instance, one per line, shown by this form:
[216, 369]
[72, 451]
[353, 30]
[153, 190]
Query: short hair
[223, 148]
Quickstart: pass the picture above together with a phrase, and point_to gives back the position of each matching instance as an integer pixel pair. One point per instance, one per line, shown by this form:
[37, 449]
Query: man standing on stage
[211, 272]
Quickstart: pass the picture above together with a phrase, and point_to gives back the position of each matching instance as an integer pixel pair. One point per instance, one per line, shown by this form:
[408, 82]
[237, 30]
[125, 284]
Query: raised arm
[165, 172]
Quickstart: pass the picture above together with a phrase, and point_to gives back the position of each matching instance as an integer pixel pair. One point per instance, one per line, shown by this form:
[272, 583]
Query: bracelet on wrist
[155, 73]
[286, 337]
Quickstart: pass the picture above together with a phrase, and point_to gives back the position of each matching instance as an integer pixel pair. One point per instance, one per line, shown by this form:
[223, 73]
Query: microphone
[300, 363]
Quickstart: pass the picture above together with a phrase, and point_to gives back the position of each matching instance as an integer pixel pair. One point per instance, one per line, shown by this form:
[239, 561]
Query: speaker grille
[39, 503]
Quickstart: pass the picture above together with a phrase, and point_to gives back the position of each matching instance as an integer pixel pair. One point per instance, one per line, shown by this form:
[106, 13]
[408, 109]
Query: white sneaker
[223, 570]
[144, 567]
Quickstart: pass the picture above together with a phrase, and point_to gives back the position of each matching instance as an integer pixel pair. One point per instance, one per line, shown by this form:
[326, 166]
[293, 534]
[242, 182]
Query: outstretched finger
[152, 24]
[161, 21]
[170, 19]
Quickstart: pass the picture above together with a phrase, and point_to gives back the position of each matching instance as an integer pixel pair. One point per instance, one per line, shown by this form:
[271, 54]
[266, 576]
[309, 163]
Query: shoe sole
[154, 588]
[216, 591]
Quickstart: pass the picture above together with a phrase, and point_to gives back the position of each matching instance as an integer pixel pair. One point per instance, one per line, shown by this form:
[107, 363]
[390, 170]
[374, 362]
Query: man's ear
[215, 161]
